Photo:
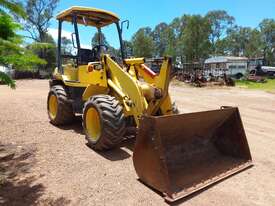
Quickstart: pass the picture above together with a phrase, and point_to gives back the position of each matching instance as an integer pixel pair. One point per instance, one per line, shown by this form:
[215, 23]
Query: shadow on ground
[17, 186]
[123, 151]
[119, 153]
[75, 126]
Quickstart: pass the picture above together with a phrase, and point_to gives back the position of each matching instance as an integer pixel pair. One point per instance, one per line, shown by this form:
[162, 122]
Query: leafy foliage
[111, 50]
[244, 41]
[47, 51]
[196, 37]
[95, 40]
[6, 79]
[37, 21]
[19, 57]
[8, 27]
[160, 38]
[220, 22]
[66, 46]
[12, 51]
[143, 44]
[128, 47]
[267, 28]
[14, 7]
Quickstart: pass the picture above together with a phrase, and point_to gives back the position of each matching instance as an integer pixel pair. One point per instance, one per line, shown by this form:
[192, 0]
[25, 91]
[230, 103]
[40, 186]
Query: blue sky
[142, 13]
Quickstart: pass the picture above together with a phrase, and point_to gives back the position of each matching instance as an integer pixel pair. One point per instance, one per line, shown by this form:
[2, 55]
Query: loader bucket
[180, 154]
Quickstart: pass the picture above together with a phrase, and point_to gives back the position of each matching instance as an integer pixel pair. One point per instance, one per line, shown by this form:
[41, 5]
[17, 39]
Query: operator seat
[86, 56]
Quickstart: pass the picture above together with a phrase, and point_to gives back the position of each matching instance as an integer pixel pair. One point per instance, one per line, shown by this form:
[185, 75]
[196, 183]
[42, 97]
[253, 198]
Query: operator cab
[78, 18]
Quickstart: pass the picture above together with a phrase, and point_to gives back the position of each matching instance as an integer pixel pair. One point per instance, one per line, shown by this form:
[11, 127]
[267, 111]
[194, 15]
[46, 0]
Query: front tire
[103, 122]
[59, 108]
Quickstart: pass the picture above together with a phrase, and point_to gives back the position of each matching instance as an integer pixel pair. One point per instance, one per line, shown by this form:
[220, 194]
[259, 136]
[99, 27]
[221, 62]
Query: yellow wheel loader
[176, 154]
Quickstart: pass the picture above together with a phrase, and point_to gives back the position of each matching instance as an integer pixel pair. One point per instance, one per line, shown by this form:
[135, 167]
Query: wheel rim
[93, 125]
[53, 106]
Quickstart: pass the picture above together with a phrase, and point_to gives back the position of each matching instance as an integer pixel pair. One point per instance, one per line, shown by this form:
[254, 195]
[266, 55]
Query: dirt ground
[53, 166]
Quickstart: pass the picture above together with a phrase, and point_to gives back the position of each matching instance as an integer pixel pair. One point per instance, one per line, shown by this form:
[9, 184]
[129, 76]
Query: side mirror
[73, 37]
[122, 23]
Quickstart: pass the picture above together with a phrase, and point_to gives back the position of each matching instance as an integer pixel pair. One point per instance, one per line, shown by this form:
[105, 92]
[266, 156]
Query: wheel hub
[53, 106]
[93, 124]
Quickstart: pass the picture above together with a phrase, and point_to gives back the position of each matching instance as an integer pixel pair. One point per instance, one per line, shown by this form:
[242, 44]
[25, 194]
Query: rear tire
[103, 122]
[59, 108]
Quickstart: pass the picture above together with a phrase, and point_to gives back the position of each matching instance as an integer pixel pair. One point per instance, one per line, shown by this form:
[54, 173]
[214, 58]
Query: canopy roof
[93, 17]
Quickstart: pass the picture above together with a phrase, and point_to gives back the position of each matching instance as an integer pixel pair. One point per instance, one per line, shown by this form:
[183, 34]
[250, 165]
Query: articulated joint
[151, 92]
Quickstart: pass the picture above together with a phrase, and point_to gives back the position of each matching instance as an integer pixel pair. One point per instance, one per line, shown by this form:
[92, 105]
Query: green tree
[128, 47]
[12, 51]
[176, 29]
[160, 39]
[48, 50]
[14, 7]
[7, 30]
[237, 38]
[66, 46]
[8, 27]
[111, 50]
[267, 28]
[6, 79]
[171, 46]
[244, 41]
[39, 14]
[164, 40]
[220, 22]
[143, 44]
[254, 44]
[95, 39]
[36, 23]
[195, 39]
[220, 47]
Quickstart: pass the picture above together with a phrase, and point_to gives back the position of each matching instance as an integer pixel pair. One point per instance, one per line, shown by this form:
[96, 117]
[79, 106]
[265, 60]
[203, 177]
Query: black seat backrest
[85, 56]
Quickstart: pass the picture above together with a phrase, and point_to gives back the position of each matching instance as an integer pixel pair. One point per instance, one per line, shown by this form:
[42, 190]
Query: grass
[267, 86]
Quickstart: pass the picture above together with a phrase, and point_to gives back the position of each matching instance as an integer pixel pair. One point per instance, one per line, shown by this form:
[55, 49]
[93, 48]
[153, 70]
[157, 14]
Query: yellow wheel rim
[53, 106]
[92, 122]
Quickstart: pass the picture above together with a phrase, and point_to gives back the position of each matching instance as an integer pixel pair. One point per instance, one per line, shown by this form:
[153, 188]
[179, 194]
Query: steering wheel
[96, 51]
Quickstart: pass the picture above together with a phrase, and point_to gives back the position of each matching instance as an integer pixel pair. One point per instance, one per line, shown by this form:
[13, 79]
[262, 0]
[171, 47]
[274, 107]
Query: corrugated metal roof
[224, 59]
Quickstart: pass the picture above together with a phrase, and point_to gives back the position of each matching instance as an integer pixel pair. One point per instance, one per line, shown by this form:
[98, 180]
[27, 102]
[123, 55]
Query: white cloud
[54, 33]
[85, 46]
